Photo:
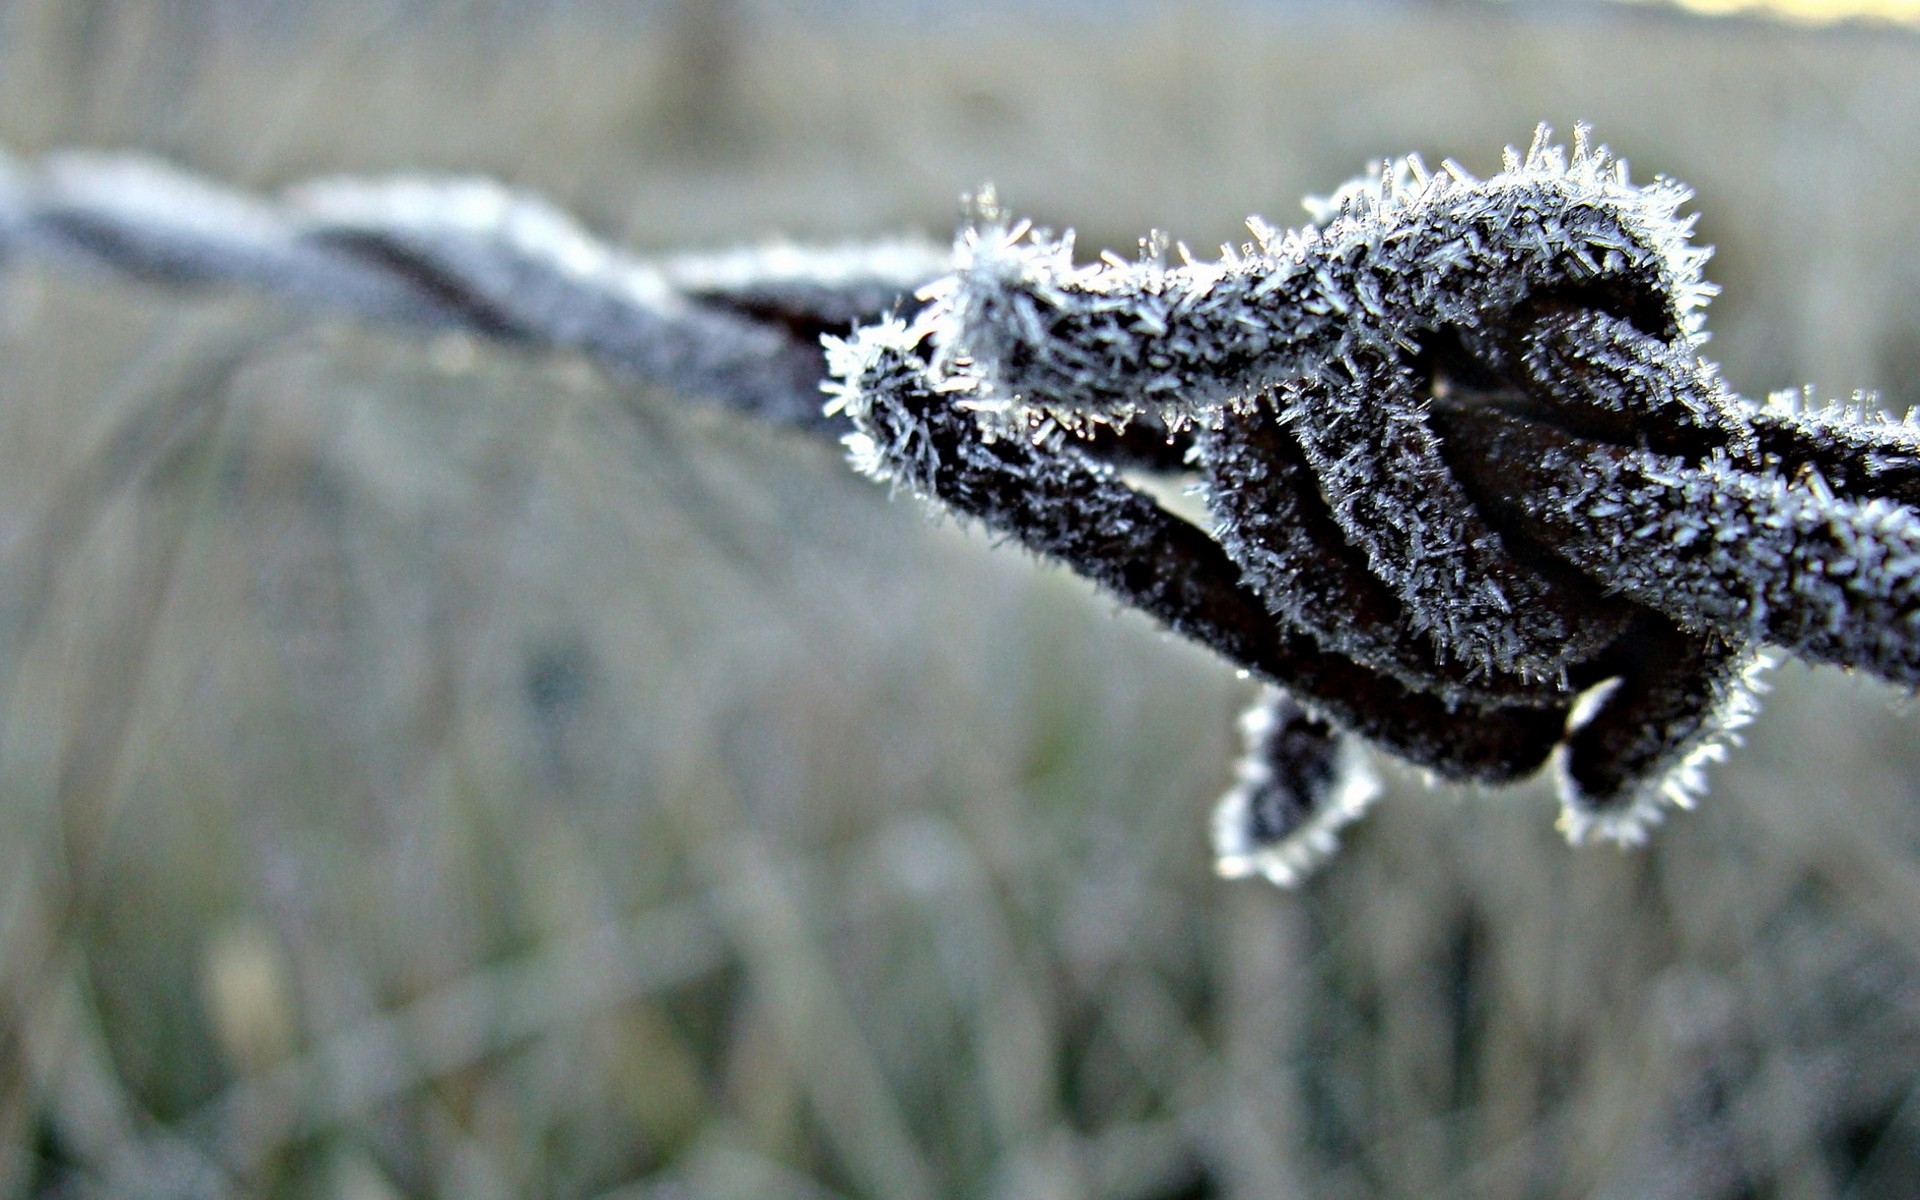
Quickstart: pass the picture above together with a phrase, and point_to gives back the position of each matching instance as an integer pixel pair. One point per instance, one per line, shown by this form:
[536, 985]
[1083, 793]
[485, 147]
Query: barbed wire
[741, 328]
[1475, 496]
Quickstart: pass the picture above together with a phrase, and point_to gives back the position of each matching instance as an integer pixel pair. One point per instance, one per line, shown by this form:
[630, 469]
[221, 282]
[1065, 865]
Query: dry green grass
[432, 772]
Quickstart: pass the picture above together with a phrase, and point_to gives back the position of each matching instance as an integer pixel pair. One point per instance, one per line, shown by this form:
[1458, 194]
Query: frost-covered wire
[741, 328]
[1475, 496]
[1457, 437]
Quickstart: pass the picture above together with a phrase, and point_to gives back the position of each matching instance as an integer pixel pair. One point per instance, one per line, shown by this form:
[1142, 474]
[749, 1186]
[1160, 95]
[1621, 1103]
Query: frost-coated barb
[1476, 498]
[1483, 502]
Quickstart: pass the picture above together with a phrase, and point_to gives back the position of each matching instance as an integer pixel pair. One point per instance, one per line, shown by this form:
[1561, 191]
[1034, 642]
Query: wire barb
[1475, 484]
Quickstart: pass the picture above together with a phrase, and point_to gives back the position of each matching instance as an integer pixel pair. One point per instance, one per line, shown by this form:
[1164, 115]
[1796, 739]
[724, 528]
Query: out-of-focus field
[429, 771]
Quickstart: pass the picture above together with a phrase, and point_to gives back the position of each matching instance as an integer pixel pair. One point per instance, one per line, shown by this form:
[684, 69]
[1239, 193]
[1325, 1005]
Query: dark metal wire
[1476, 497]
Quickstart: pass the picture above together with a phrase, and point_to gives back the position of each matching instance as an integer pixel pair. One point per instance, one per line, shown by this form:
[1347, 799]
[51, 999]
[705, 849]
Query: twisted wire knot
[1476, 496]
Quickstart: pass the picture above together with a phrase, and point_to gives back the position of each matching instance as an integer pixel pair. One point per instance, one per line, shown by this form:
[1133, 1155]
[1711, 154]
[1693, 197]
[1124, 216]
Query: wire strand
[741, 328]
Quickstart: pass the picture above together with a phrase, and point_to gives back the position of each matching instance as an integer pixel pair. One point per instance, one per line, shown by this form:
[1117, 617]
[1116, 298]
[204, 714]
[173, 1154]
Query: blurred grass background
[429, 771]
